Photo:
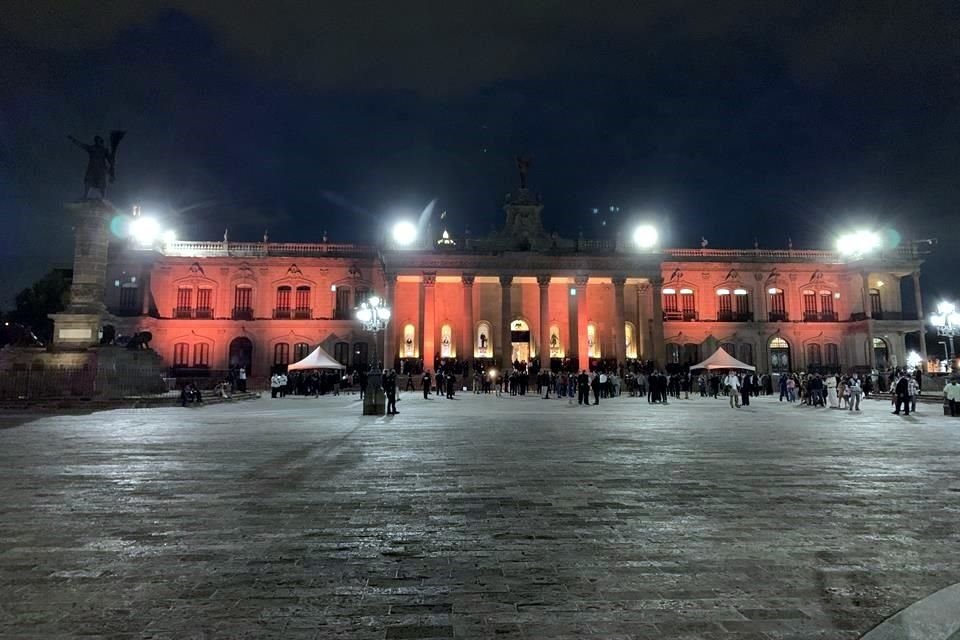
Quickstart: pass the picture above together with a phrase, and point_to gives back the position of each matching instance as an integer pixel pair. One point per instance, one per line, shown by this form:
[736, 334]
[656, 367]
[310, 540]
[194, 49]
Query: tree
[49, 294]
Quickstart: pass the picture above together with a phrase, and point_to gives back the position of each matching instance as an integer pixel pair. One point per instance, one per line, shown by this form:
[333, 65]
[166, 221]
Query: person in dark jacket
[595, 384]
[426, 384]
[583, 388]
[390, 388]
[902, 397]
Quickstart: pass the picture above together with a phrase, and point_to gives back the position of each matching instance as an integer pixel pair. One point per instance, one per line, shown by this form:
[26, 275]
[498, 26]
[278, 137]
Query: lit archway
[593, 344]
[520, 340]
[408, 348]
[630, 340]
[779, 355]
[447, 348]
[482, 346]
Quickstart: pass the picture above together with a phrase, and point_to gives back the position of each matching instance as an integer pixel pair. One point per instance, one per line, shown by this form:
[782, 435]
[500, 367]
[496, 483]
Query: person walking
[732, 382]
[951, 393]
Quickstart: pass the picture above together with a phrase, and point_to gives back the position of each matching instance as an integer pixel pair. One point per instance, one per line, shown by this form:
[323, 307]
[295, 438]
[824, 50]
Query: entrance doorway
[241, 354]
[881, 354]
[779, 355]
[520, 341]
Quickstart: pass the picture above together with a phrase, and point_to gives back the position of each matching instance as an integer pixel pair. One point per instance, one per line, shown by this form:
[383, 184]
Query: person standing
[390, 389]
[595, 385]
[901, 396]
[583, 388]
[856, 393]
[745, 390]
[242, 378]
[426, 384]
[732, 382]
[951, 393]
[913, 392]
[831, 382]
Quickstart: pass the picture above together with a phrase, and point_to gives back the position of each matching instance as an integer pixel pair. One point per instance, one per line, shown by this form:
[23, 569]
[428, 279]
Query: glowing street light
[374, 315]
[646, 236]
[404, 233]
[914, 360]
[144, 230]
[859, 243]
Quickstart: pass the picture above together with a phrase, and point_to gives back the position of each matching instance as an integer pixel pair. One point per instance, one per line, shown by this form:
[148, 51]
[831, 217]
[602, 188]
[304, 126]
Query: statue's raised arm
[101, 162]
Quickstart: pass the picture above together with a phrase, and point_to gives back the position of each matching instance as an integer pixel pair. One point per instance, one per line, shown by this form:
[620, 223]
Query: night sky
[734, 121]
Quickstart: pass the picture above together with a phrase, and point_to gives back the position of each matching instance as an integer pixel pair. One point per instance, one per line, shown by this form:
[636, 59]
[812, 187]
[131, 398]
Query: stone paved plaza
[481, 517]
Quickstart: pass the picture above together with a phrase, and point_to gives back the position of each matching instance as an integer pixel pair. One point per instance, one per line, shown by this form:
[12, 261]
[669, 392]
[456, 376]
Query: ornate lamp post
[947, 322]
[374, 315]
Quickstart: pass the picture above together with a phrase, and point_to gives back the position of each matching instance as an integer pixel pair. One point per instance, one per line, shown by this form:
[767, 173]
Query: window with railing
[778, 305]
[730, 348]
[673, 353]
[181, 354]
[876, 306]
[671, 309]
[360, 356]
[360, 295]
[818, 306]
[827, 312]
[724, 305]
[201, 354]
[809, 305]
[204, 303]
[343, 309]
[814, 356]
[746, 353]
[733, 305]
[243, 303]
[129, 297]
[281, 353]
[302, 310]
[184, 308]
[688, 304]
[282, 309]
[741, 306]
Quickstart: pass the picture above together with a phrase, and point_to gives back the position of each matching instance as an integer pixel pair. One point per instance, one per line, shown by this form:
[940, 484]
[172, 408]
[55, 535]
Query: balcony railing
[778, 316]
[734, 316]
[183, 312]
[204, 313]
[302, 313]
[282, 313]
[242, 313]
[684, 316]
[821, 316]
[894, 315]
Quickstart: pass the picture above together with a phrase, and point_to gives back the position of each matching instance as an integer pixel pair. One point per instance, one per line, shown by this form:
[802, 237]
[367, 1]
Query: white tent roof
[722, 360]
[318, 359]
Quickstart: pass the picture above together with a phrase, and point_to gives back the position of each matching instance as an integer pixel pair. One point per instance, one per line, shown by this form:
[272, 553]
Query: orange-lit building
[522, 293]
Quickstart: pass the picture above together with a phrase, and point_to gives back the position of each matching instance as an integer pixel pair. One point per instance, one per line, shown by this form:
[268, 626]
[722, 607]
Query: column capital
[618, 281]
[467, 279]
[581, 281]
[429, 278]
[543, 280]
[506, 281]
[643, 287]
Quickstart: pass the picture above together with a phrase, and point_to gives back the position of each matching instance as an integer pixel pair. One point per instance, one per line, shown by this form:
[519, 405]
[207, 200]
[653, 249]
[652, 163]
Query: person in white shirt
[951, 393]
[732, 382]
[832, 391]
[283, 385]
[274, 385]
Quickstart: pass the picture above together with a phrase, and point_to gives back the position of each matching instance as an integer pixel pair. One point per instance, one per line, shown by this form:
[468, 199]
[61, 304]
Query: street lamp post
[374, 315]
[947, 322]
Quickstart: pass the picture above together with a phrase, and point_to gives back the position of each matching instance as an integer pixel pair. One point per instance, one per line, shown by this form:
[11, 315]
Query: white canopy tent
[318, 359]
[722, 360]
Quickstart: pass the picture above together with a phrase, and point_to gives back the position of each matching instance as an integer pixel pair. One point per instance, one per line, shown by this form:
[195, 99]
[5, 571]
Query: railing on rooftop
[905, 252]
[260, 249]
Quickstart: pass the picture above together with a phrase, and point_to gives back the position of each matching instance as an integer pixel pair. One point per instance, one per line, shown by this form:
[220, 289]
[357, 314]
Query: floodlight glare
[169, 236]
[646, 236]
[144, 230]
[858, 243]
[404, 233]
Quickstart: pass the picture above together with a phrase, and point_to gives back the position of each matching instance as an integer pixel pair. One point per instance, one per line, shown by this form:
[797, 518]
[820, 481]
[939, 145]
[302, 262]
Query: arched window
[778, 305]
[243, 302]
[300, 351]
[360, 358]
[746, 353]
[556, 346]
[184, 308]
[447, 349]
[779, 343]
[341, 352]
[360, 294]
[832, 354]
[630, 340]
[814, 356]
[409, 347]
[282, 310]
[730, 348]
[593, 345]
[691, 353]
[343, 309]
[201, 354]
[302, 310]
[673, 353]
[779, 355]
[181, 354]
[129, 297]
[484, 343]
[281, 353]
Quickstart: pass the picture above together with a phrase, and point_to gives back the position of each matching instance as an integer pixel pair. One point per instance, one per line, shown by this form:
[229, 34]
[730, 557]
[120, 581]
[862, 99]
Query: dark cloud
[451, 47]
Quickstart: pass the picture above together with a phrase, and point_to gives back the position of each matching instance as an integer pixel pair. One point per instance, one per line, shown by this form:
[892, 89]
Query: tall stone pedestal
[78, 326]
[374, 399]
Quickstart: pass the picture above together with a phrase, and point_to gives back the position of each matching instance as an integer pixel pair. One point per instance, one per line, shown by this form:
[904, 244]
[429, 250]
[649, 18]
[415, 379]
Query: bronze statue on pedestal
[101, 162]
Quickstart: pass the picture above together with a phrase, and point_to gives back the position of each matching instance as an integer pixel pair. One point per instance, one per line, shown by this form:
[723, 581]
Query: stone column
[918, 302]
[78, 326]
[389, 334]
[466, 348]
[428, 282]
[620, 345]
[868, 312]
[544, 283]
[583, 352]
[643, 326]
[656, 322]
[506, 315]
